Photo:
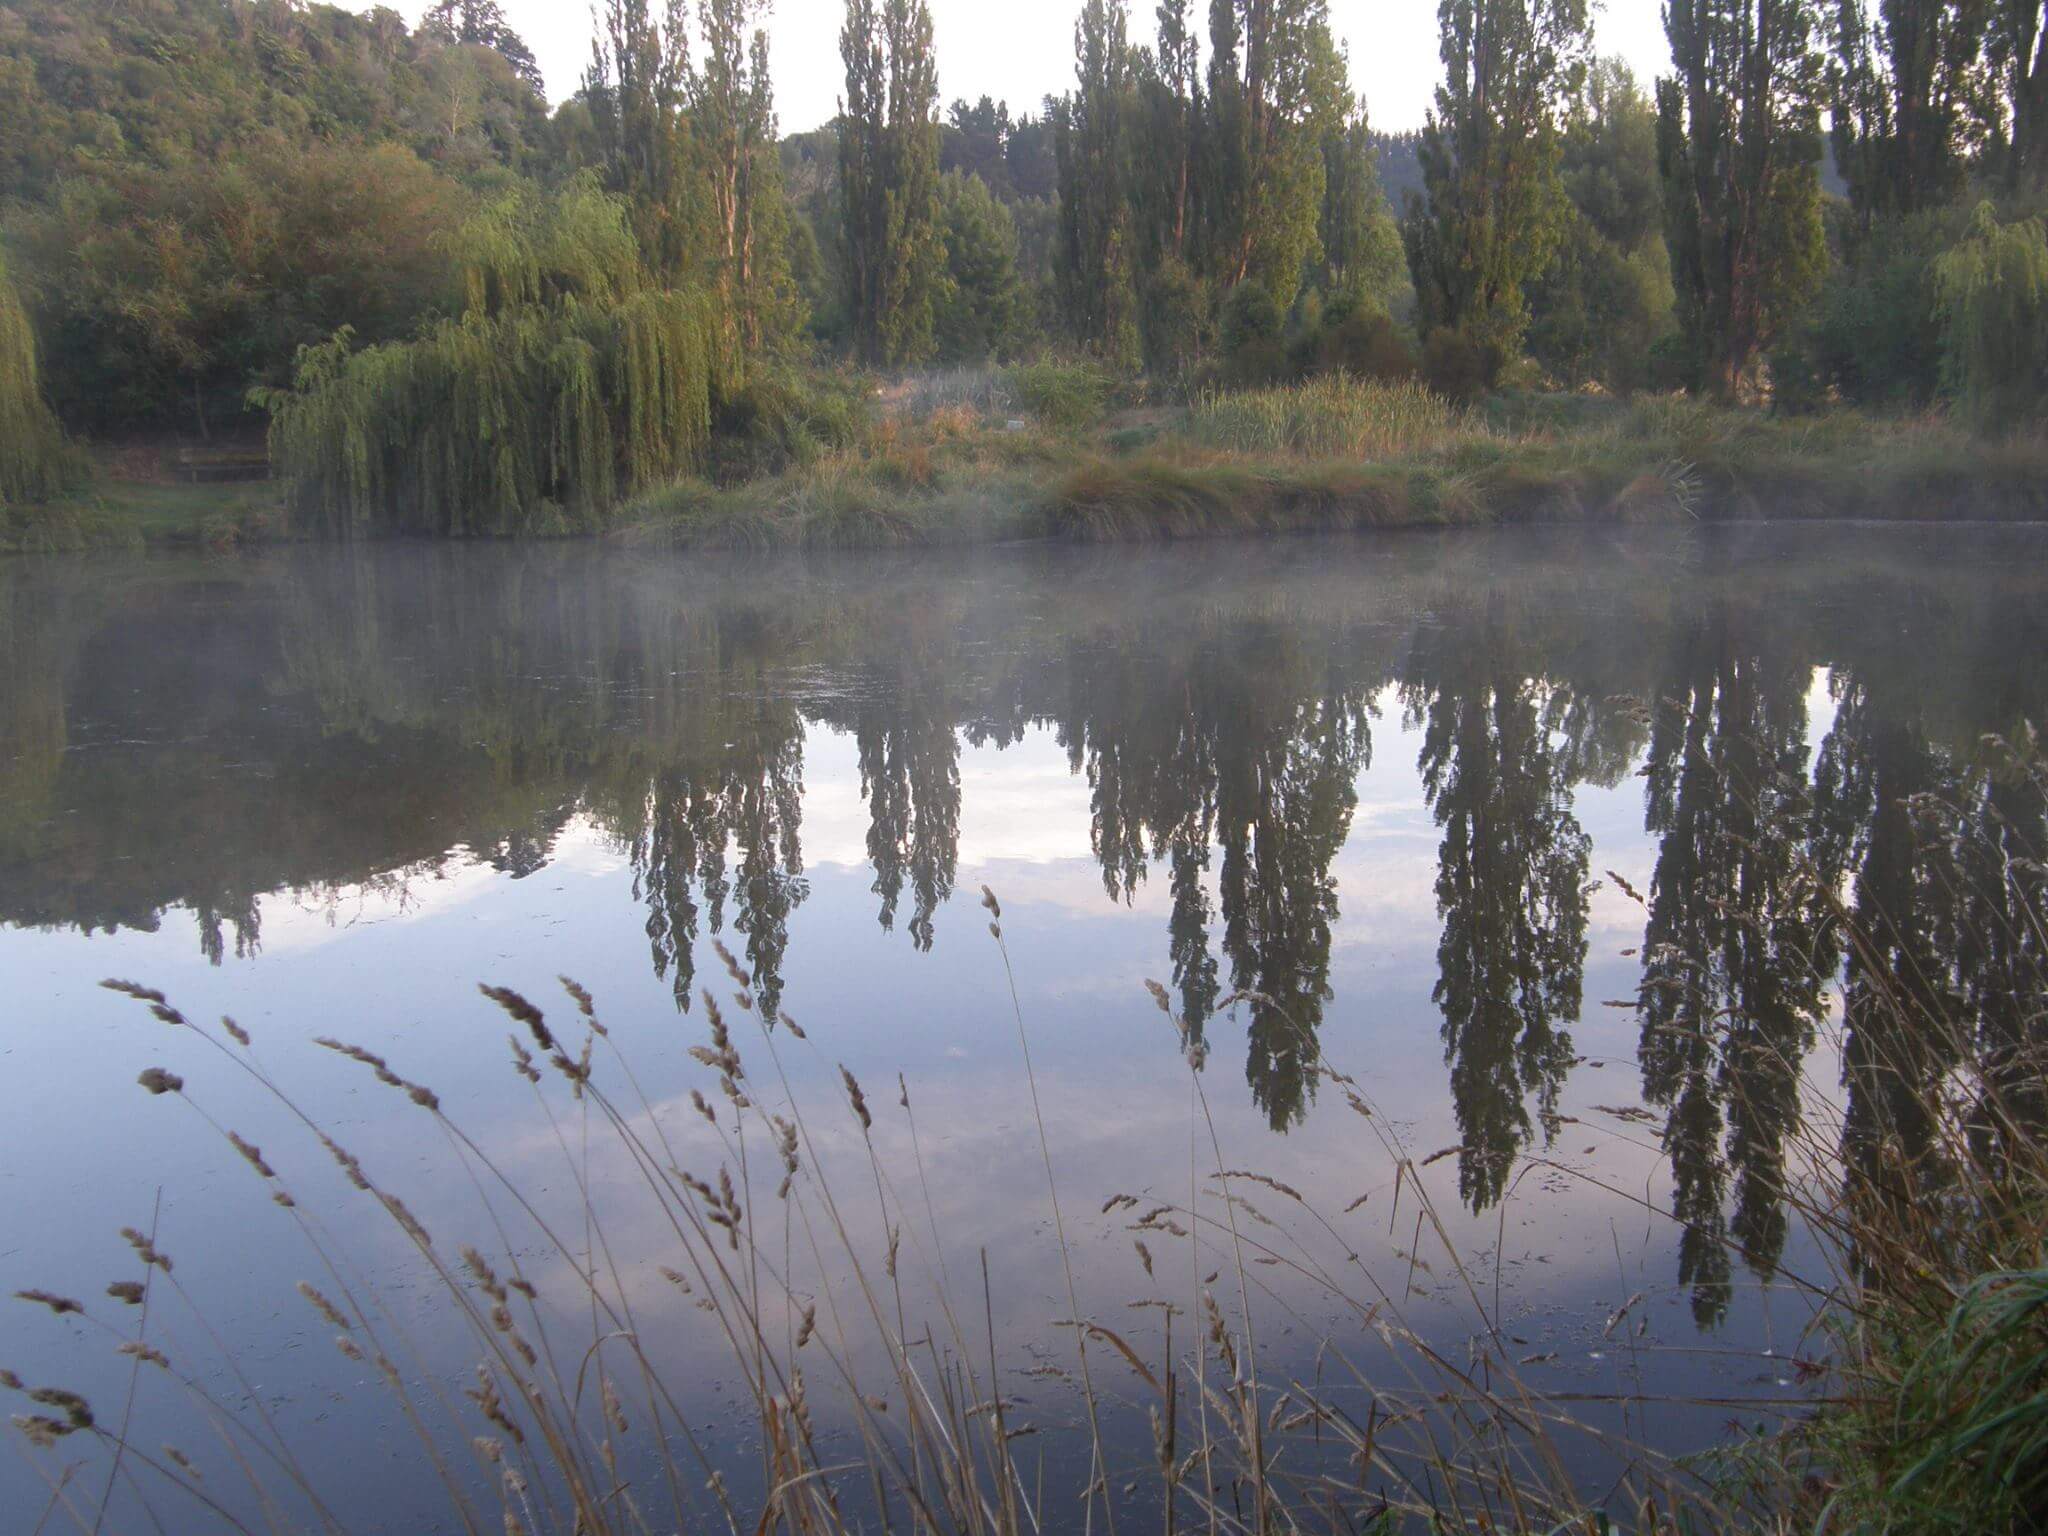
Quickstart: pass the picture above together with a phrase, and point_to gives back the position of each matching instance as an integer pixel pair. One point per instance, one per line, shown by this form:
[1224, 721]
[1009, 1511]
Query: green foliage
[1359, 339]
[1459, 366]
[1094, 269]
[1064, 396]
[1333, 417]
[635, 91]
[109, 89]
[1174, 321]
[1278, 92]
[781, 419]
[1361, 242]
[1992, 295]
[1901, 95]
[731, 130]
[981, 310]
[1607, 299]
[1738, 144]
[1251, 332]
[1874, 334]
[164, 295]
[568, 385]
[1494, 210]
[32, 453]
[888, 177]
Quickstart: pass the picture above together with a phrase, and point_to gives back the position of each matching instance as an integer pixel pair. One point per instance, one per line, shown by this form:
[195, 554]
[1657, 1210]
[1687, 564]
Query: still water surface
[1381, 804]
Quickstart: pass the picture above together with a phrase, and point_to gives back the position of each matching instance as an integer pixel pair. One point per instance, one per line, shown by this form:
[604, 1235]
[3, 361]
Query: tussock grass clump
[1335, 416]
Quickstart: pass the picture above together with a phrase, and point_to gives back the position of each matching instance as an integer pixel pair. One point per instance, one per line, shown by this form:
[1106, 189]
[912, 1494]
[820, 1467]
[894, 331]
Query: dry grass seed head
[160, 1082]
[57, 1304]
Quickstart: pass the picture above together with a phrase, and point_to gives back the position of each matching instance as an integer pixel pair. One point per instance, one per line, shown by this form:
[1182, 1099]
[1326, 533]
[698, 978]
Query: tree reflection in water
[341, 719]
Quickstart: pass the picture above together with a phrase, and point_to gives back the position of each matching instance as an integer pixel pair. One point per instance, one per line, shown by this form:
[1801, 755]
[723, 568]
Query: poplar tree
[1278, 88]
[1492, 209]
[1903, 86]
[2016, 49]
[1738, 148]
[637, 87]
[1089, 127]
[732, 121]
[889, 179]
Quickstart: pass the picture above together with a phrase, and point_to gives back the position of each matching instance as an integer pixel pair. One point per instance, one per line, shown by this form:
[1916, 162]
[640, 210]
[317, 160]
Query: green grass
[126, 514]
[1035, 453]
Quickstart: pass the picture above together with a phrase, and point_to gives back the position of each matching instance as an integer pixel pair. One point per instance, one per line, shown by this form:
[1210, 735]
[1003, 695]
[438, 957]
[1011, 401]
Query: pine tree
[1738, 146]
[889, 178]
[1492, 211]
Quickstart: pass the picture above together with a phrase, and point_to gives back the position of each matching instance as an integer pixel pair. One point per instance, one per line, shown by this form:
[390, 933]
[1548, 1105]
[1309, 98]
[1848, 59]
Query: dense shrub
[1252, 336]
[1063, 396]
[1459, 366]
[780, 418]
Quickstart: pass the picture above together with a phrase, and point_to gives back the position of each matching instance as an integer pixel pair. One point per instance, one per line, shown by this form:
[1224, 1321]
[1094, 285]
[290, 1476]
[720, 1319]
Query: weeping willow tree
[32, 452]
[1992, 293]
[568, 382]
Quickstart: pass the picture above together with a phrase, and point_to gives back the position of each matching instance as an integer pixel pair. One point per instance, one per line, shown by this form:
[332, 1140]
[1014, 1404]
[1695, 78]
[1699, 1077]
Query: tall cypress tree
[1492, 210]
[1738, 146]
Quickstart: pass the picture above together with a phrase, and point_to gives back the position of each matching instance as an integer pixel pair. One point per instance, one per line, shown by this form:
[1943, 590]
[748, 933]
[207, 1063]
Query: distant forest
[263, 214]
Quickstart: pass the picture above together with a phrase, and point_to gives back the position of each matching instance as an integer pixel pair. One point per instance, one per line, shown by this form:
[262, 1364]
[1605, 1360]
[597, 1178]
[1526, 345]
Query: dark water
[1398, 797]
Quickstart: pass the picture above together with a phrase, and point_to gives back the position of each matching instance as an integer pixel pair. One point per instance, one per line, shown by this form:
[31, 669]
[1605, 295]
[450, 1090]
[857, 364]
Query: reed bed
[1333, 417]
[867, 1350]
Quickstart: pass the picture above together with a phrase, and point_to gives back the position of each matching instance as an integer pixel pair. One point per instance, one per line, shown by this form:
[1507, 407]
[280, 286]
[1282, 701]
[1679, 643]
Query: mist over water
[1505, 827]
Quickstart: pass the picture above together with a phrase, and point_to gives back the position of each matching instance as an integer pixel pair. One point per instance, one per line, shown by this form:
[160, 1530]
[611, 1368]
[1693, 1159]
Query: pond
[1507, 869]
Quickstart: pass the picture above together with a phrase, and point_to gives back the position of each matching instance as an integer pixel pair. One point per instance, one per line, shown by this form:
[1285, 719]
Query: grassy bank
[1048, 453]
[1336, 455]
[110, 512]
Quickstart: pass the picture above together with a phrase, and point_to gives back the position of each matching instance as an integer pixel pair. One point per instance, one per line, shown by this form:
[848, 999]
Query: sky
[1022, 50]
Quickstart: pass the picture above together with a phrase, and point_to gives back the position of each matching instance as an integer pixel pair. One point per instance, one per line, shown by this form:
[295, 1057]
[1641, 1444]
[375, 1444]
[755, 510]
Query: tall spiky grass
[1333, 417]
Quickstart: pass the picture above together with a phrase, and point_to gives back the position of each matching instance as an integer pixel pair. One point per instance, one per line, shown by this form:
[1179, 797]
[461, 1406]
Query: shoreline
[940, 481]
